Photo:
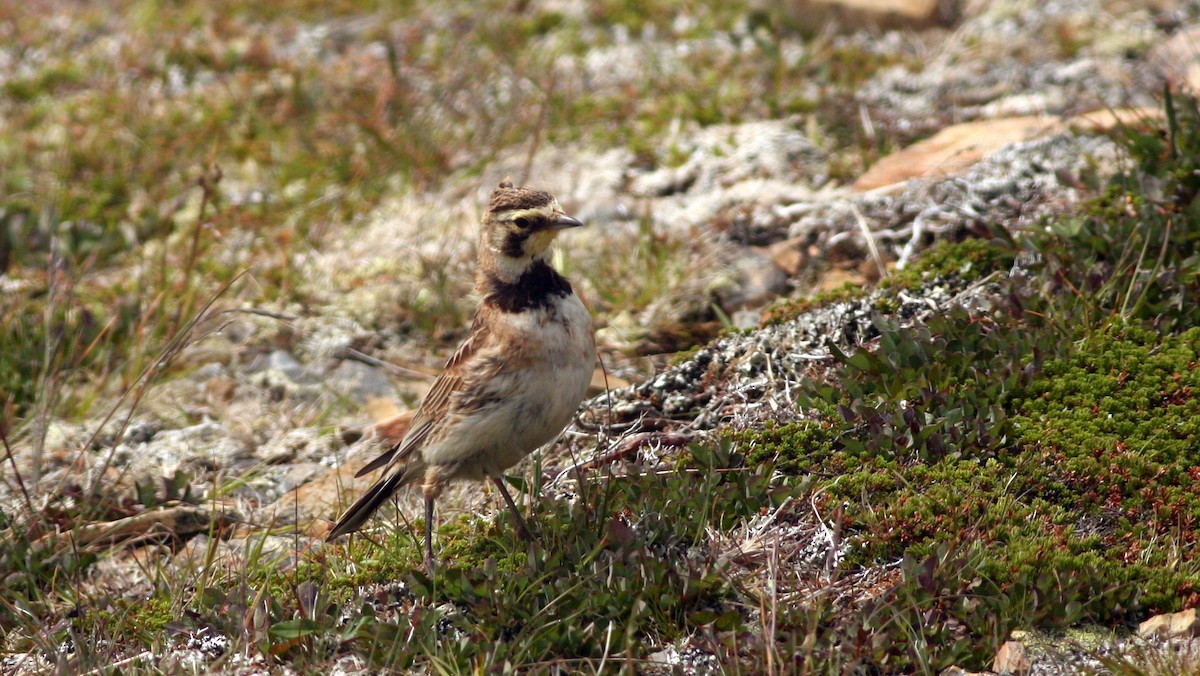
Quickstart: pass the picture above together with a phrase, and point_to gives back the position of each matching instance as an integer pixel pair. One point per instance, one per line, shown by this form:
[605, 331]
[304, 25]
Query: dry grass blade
[141, 384]
[178, 521]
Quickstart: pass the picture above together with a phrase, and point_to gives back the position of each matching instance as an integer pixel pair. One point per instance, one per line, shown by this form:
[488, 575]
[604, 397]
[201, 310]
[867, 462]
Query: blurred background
[237, 240]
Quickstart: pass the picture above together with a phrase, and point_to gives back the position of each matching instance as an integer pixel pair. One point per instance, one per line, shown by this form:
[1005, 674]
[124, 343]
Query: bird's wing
[437, 403]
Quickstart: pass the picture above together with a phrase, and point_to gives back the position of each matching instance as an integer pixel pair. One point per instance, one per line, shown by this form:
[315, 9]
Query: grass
[194, 160]
[164, 164]
[1030, 466]
[621, 561]
[1042, 452]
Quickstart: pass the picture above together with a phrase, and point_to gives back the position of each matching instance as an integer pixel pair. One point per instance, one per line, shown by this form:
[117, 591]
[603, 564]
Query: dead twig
[631, 444]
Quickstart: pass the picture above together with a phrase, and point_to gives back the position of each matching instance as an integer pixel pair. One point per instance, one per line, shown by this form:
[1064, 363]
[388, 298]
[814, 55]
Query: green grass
[109, 155]
[620, 567]
[1031, 466]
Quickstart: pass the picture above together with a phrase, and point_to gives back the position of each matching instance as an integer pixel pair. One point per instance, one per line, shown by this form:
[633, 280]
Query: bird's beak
[564, 221]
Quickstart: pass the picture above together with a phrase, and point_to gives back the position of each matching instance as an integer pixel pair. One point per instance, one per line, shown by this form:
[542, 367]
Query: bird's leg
[429, 534]
[522, 527]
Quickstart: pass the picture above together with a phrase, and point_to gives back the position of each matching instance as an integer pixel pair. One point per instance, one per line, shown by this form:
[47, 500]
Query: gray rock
[208, 372]
[754, 373]
[267, 485]
[1013, 57]
[207, 444]
[358, 381]
[301, 444]
[327, 336]
[750, 166]
[283, 363]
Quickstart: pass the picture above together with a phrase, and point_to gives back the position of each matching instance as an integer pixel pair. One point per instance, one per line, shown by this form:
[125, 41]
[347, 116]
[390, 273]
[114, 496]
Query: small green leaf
[289, 629]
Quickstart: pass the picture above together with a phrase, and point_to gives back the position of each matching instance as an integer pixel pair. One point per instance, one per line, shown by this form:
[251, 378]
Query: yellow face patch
[539, 241]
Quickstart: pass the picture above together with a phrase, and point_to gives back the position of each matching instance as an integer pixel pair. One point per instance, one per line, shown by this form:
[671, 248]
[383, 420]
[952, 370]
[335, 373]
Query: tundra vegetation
[1031, 464]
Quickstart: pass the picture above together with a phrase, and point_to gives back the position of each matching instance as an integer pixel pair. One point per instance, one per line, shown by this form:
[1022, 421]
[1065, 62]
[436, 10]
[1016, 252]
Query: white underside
[531, 405]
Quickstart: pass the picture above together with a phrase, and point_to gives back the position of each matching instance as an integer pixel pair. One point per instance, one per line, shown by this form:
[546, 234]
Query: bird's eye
[521, 222]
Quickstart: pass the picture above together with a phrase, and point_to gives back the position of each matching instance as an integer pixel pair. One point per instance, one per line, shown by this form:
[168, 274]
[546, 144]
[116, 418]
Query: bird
[516, 380]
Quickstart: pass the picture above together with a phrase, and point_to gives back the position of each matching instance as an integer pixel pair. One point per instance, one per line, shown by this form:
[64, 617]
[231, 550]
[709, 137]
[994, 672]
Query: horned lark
[513, 384]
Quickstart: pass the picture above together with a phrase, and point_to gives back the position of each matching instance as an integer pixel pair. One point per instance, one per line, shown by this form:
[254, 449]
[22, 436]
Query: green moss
[618, 550]
[49, 81]
[1073, 493]
[472, 543]
[1117, 429]
[147, 617]
[789, 308]
[684, 355]
[618, 565]
[1036, 465]
[792, 449]
[970, 259]
[1066, 493]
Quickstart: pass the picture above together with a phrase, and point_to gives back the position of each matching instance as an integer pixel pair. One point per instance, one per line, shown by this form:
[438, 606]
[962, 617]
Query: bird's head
[518, 228]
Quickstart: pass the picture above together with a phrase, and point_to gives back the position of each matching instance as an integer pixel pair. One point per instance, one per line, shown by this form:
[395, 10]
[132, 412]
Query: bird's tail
[352, 519]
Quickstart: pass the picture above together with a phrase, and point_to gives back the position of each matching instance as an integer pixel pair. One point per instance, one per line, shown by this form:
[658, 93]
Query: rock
[382, 409]
[953, 149]
[837, 278]
[666, 657]
[283, 375]
[329, 336]
[1183, 624]
[603, 382]
[956, 670]
[300, 444]
[324, 494]
[62, 435]
[751, 280]
[1006, 60]
[270, 484]
[730, 279]
[205, 445]
[360, 382]
[748, 167]
[789, 255]
[136, 432]
[1011, 659]
[853, 15]
[282, 362]
[220, 390]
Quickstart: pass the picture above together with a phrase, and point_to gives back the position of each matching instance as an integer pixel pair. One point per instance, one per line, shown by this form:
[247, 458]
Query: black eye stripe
[514, 245]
